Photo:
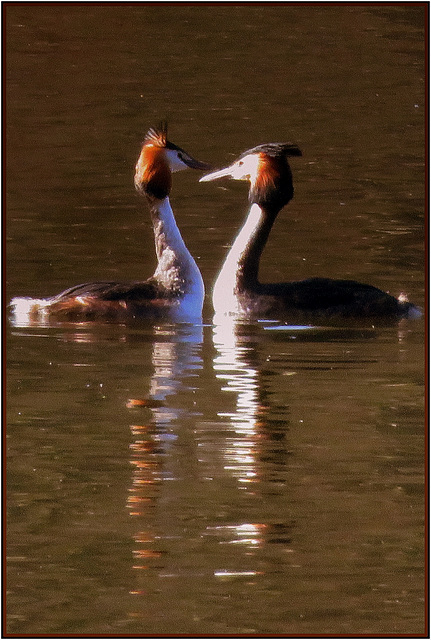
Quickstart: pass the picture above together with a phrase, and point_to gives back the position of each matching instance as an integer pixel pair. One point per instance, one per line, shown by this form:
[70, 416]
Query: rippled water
[215, 479]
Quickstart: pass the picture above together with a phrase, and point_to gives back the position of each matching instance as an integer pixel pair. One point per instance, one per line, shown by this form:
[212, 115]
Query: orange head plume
[159, 158]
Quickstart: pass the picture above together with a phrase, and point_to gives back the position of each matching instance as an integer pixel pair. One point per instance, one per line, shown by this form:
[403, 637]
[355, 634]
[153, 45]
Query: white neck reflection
[231, 366]
[175, 356]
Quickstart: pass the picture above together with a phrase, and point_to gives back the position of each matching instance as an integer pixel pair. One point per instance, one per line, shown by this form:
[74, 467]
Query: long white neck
[176, 269]
[240, 269]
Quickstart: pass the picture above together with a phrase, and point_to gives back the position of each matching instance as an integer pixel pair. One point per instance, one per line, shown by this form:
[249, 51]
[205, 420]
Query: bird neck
[239, 273]
[176, 267]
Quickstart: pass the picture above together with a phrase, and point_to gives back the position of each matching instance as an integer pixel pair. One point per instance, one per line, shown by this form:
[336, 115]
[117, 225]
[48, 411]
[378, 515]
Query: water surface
[215, 479]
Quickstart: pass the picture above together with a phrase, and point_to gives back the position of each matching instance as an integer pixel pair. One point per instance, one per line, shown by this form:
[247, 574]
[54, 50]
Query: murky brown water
[274, 482]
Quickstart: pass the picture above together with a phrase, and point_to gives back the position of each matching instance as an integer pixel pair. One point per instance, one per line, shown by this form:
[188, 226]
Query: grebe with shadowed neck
[175, 291]
[237, 290]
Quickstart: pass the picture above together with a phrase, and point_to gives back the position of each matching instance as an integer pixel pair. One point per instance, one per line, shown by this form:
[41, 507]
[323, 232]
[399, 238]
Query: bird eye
[240, 163]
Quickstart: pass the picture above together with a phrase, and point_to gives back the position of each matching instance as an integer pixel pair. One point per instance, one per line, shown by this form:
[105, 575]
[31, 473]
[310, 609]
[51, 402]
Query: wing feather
[147, 290]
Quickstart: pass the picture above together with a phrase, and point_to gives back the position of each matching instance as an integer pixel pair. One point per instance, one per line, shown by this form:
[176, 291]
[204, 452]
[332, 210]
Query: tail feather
[26, 311]
[409, 309]
[413, 312]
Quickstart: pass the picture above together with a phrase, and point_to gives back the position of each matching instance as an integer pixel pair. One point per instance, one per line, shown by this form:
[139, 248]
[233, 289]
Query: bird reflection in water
[176, 354]
[231, 366]
[235, 444]
[246, 445]
[255, 451]
[257, 446]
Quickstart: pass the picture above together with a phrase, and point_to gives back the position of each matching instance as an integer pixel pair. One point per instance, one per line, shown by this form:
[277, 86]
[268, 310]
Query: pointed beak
[194, 164]
[222, 173]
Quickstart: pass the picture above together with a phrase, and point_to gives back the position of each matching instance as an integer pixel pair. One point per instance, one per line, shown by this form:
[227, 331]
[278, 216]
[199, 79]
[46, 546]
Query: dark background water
[276, 484]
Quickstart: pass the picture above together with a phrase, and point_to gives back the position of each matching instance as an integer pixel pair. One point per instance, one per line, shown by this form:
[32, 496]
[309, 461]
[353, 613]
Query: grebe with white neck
[238, 291]
[175, 292]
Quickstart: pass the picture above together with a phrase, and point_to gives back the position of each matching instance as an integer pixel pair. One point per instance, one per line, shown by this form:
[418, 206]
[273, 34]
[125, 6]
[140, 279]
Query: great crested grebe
[176, 289]
[237, 290]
